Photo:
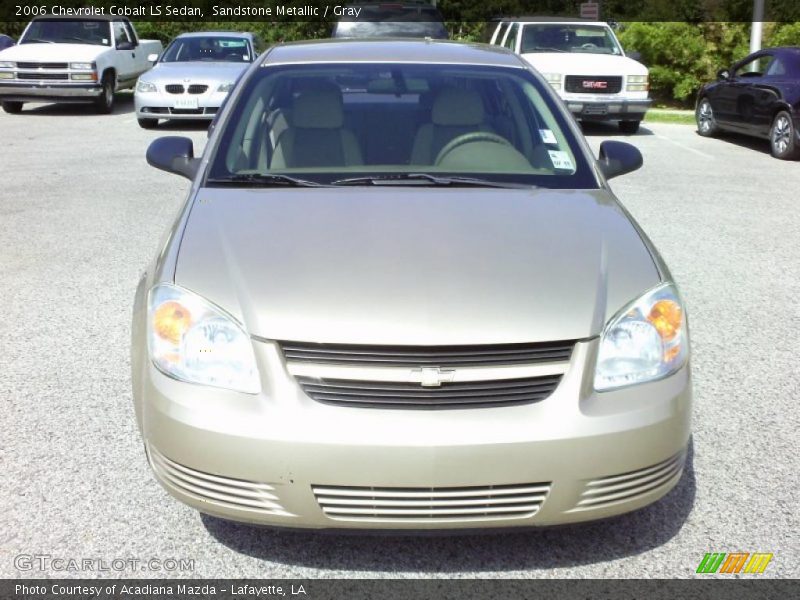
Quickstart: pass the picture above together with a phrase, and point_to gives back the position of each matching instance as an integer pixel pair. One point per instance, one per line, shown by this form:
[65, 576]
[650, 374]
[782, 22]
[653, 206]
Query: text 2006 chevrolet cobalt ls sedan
[402, 295]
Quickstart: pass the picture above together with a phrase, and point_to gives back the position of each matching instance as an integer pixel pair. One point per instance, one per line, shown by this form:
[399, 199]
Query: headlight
[81, 66]
[638, 83]
[645, 341]
[6, 75]
[225, 87]
[145, 86]
[7, 65]
[554, 79]
[192, 340]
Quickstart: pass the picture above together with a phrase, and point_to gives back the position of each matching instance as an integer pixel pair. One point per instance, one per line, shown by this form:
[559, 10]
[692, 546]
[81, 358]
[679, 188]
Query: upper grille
[627, 486]
[587, 84]
[197, 89]
[41, 65]
[214, 489]
[431, 504]
[174, 88]
[418, 356]
[60, 76]
[385, 394]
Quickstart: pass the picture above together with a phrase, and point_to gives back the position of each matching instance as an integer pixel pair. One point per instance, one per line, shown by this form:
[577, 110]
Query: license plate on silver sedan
[186, 103]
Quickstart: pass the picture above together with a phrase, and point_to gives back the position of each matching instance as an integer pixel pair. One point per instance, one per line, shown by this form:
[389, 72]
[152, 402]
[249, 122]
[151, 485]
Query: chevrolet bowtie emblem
[432, 376]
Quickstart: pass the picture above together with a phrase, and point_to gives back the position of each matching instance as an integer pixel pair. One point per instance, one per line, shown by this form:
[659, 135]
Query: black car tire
[704, 116]
[12, 108]
[629, 126]
[147, 123]
[104, 103]
[783, 137]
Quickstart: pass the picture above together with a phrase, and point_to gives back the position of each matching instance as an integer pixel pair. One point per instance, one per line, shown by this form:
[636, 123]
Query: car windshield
[595, 39]
[361, 122]
[208, 48]
[61, 31]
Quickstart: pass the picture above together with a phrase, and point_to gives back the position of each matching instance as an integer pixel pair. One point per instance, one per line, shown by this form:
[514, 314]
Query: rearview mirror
[723, 74]
[173, 154]
[618, 158]
[152, 58]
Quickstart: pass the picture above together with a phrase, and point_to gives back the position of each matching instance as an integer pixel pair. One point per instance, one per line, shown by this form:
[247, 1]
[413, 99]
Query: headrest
[319, 108]
[454, 106]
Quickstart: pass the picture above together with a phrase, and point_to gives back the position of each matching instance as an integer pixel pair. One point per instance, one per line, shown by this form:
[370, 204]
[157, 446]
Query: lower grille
[587, 84]
[482, 503]
[43, 76]
[214, 489]
[628, 486]
[186, 111]
[419, 356]
[174, 88]
[384, 394]
[42, 65]
[197, 89]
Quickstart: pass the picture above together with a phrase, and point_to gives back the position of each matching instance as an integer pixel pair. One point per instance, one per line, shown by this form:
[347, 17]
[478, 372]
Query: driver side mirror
[618, 158]
[173, 154]
[153, 58]
[123, 45]
[637, 56]
[723, 74]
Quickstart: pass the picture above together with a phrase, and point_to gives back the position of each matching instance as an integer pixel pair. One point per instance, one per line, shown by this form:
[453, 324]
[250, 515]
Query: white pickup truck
[74, 59]
[585, 63]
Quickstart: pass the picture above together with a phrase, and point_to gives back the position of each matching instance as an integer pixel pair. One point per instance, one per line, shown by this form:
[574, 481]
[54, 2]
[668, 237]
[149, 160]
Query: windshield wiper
[427, 179]
[36, 41]
[262, 180]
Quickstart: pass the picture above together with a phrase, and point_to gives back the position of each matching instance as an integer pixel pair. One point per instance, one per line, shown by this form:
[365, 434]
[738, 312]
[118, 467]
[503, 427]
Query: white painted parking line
[684, 146]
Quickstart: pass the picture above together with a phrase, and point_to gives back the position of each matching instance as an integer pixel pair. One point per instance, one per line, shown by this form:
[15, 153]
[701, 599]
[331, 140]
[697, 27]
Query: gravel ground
[81, 214]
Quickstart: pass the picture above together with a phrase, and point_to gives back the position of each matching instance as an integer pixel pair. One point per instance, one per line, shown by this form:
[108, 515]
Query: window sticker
[560, 159]
[547, 136]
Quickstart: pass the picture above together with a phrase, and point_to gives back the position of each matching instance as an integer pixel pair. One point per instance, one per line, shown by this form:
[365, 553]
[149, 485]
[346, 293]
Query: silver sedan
[193, 76]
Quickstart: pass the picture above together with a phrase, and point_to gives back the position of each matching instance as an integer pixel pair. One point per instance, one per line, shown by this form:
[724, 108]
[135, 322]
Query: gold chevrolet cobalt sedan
[401, 295]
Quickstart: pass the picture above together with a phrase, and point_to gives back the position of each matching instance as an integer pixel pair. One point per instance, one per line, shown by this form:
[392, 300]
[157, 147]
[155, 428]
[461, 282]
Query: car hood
[199, 71]
[584, 63]
[414, 265]
[53, 52]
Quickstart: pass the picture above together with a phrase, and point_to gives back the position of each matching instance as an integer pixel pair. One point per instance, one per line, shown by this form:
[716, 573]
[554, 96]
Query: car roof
[79, 18]
[559, 20]
[398, 50]
[189, 34]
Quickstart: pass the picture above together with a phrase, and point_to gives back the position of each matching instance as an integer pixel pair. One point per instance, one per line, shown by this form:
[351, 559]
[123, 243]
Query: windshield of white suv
[326, 123]
[208, 49]
[550, 37]
[62, 31]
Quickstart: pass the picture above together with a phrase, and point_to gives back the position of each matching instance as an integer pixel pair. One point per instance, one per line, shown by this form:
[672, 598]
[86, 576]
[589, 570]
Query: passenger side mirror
[618, 158]
[723, 74]
[123, 45]
[173, 154]
[153, 58]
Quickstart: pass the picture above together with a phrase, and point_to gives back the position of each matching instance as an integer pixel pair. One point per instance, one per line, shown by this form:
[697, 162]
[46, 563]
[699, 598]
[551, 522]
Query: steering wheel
[469, 138]
[589, 45]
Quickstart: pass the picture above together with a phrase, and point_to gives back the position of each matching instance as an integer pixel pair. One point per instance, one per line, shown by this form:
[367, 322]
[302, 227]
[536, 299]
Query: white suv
[585, 64]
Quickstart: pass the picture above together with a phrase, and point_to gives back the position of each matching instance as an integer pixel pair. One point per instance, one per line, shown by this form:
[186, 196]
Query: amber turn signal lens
[171, 320]
[666, 317]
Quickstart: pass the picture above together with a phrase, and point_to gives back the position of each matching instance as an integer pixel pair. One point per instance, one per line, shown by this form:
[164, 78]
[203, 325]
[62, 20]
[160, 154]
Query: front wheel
[147, 123]
[12, 108]
[706, 122]
[104, 103]
[783, 138]
[629, 126]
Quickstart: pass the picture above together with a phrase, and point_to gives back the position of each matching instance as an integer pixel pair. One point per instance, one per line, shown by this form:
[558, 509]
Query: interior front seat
[455, 112]
[316, 136]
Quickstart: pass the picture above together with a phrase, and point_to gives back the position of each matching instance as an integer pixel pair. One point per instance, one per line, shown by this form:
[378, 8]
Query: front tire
[12, 108]
[147, 123]
[629, 127]
[783, 138]
[104, 103]
[706, 122]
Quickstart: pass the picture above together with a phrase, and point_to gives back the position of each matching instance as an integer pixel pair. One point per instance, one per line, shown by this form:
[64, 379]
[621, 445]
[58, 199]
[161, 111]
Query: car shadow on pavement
[123, 104]
[546, 548]
[603, 129]
[745, 141]
[183, 125]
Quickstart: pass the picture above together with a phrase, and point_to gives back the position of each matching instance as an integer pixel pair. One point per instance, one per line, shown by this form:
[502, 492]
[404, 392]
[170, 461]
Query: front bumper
[280, 458]
[49, 92]
[160, 105]
[607, 109]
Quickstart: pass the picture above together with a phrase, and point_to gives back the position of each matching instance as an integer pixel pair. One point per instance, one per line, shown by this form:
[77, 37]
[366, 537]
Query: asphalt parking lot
[81, 214]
